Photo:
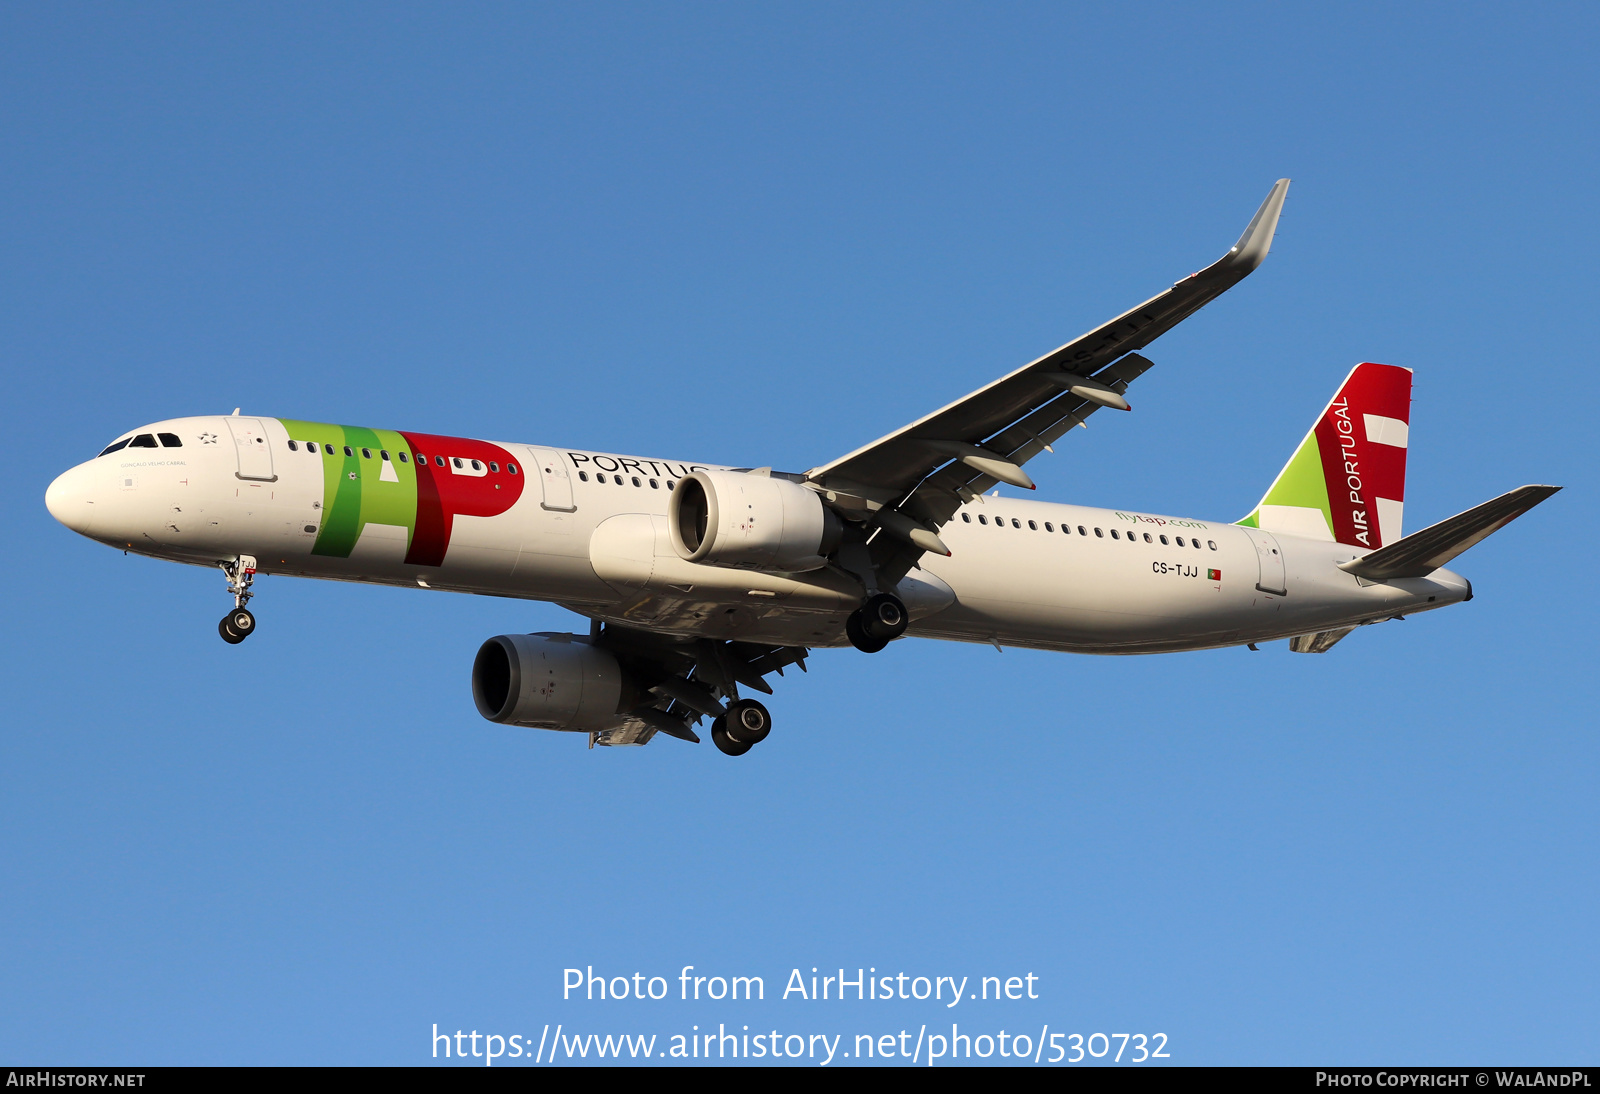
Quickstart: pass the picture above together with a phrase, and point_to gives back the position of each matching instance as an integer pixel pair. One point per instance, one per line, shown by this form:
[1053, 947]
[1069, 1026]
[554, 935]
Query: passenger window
[1032, 527]
[170, 440]
[383, 454]
[599, 476]
[366, 453]
[143, 440]
[1195, 544]
[456, 460]
[670, 484]
[619, 480]
[476, 466]
[1081, 532]
[1147, 538]
[1212, 544]
[1048, 527]
[982, 519]
[636, 480]
[347, 451]
[110, 448]
[293, 447]
[438, 461]
[1099, 534]
[1113, 533]
[1180, 540]
[1164, 542]
[967, 517]
[495, 467]
[511, 467]
[654, 485]
[583, 476]
[1015, 523]
[402, 456]
[421, 458]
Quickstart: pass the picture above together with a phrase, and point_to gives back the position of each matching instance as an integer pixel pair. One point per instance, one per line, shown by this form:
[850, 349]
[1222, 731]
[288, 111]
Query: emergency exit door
[1270, 557]
[553, 476]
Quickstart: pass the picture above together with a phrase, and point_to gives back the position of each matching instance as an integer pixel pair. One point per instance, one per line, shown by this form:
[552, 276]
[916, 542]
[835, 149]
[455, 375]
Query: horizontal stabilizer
[1421, 553]
[1320, 642]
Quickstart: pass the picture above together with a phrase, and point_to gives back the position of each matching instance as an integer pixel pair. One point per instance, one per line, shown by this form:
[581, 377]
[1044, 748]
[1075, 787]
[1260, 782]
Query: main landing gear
[238, 624]
[876, 623]
[745, 725]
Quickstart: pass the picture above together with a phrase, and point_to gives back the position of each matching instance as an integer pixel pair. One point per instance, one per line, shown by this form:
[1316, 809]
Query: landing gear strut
[745, 725]
[876, 623]
[238, 624]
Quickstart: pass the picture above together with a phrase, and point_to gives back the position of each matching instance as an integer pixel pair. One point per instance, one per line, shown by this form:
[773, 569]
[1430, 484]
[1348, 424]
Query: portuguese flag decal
[1213, 575]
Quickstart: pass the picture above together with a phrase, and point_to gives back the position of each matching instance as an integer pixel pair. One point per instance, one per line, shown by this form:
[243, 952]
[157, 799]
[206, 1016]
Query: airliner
[700, 580]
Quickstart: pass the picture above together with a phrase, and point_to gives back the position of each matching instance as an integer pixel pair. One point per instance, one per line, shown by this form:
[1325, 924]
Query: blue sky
[764, 235]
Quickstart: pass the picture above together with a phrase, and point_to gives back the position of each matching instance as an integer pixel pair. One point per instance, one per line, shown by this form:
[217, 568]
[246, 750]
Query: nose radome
[70, 499]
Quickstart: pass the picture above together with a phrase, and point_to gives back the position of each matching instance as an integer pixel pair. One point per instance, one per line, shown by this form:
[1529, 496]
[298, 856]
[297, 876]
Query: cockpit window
[170, 440]
[110, 448]
[143, 440]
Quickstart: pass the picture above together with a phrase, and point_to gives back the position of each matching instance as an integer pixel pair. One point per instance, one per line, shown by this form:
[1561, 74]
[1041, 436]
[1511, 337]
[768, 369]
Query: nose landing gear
[238, 624]
[876, 623]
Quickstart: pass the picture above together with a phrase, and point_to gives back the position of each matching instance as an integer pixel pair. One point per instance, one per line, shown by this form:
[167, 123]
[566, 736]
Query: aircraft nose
[70, 499]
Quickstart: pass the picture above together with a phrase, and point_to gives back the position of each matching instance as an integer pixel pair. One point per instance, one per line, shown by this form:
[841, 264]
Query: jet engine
[751, 522]
[549, 681]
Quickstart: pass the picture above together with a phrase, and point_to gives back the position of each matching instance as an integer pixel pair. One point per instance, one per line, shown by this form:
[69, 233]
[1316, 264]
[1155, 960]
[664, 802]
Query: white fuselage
[1117, 582]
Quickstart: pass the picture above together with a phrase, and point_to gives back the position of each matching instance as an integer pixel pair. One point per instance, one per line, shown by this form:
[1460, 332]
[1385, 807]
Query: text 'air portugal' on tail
[1346, 483]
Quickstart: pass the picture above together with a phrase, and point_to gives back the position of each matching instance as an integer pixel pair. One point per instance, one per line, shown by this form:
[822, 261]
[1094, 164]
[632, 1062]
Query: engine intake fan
[751, 521]
[549, 681]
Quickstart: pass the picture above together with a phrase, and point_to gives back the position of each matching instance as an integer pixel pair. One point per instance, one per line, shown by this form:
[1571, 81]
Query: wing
[927, 469]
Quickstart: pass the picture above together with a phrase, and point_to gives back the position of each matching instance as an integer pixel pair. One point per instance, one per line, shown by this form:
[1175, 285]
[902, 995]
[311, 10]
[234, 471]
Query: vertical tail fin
[1346, 483]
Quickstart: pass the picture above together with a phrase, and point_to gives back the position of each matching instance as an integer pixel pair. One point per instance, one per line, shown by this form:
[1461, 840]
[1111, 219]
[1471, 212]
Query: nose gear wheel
[238, 624]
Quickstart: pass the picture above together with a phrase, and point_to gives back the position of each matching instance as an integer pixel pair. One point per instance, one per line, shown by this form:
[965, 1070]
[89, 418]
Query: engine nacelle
[548, 681]
[751, 522]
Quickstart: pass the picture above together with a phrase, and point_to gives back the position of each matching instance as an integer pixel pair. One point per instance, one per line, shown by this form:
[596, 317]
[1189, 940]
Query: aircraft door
[555, 478]
[250, 444]
[1270, 557]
